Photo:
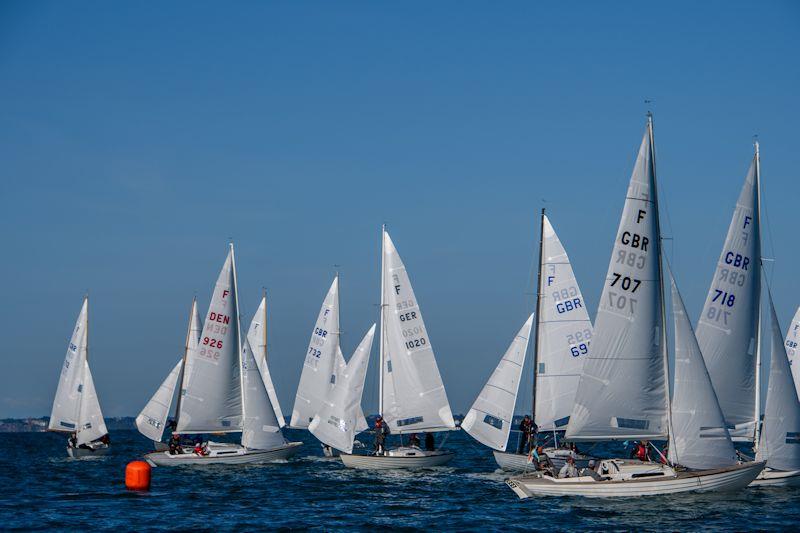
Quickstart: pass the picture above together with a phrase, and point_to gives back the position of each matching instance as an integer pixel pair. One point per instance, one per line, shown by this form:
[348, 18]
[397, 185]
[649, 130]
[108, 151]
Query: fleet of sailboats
[601, 383]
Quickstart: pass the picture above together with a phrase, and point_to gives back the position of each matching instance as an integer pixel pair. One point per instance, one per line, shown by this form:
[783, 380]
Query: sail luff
[537, 314]
[382, 339]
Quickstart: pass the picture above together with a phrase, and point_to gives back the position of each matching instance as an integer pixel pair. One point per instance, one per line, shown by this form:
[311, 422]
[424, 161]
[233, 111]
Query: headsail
[152, 421]
[622, 392]
[91, 425]
[699, 438]
[260, 427]
[793, 349]
[336, 423]
[257, 338]
[212, 401]
[564, 333]
[489, 419]
[413, 396]
[318, 366]
[779, 443]
[66, 405]
[728, 327]
[341, 367]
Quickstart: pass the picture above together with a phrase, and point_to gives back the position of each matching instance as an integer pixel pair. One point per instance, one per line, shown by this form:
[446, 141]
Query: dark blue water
[43, 489]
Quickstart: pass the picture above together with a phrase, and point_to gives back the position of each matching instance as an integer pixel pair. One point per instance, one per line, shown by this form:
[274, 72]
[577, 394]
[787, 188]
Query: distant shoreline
[39, 424]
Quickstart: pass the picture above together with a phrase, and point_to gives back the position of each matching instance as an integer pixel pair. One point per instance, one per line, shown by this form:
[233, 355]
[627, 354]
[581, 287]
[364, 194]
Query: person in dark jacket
[381, 432]
[430, 443]
[526, 428]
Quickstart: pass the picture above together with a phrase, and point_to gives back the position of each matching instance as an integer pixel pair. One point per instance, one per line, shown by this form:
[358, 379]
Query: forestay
[728, 327]
[212, 401]
[152, 421]
[489, 419]
[66, 405]
[622, 393]
[564, 333]
[414, 398]
[793, 349]
[699, 438]
[260, 427]
[318, 367]
[337, 421]
[256, 336]
[91, 425]
[779, 444]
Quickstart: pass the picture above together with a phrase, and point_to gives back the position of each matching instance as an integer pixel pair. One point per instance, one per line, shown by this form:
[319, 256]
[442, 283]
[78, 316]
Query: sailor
[430, 443]
[569, 469]
[73, 440]
[640, 451]
[105, 439]
[413, 440]
[381, 431]
[175, 444]
[198, 449]
[526, 428]
[591, 471]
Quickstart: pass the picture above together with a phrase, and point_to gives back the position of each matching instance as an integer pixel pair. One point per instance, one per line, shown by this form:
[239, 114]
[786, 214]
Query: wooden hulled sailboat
[623, 392]
[76, 409]
[562, 336]
[411, 398]
[224, 391]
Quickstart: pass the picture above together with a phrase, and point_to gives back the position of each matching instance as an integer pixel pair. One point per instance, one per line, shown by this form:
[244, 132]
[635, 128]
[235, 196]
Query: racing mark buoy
[137, 475]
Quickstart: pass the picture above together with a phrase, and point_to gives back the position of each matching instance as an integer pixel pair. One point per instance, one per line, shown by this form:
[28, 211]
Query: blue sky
[137, 138]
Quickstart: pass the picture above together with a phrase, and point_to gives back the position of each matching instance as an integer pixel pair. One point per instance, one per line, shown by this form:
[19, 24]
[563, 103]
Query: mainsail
[622, 393]
[412, 394]
[66, 405]
[319, 365]
[260, 427]
[337, 421]
[779, 443]
[564, 334]
[489, 419]
[793, 349]
[728, 327]
[699, 438]
[152, 421]
[211, 400]
[257, 337]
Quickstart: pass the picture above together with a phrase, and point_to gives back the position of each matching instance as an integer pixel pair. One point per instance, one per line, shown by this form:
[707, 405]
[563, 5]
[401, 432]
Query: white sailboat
[412, 396]
[224, 390]
[623, 392]
[779, 442]
[793, 349]
[257, 339]
[153, 420]
[76, 409]
[563, 334]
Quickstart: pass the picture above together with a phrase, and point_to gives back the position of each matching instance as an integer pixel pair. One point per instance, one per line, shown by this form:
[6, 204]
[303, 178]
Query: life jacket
[641, 452]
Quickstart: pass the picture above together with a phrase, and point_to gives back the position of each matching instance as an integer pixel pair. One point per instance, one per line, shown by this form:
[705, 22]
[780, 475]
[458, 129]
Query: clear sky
[137, 138]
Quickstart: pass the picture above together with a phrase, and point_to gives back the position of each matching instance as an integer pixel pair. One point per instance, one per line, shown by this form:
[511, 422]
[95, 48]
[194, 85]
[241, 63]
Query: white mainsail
[212, 396]
[257, 337]
[793, 349]
[91, 425]
[564, 335]
[66, 405]
[728, 327]
[779, 443]
[412, 397]
[319, 364]
[489, 419]
[261, 429]
[152, 421]
[192, 346]
[699, 438]
[622, 392]
[337, 421]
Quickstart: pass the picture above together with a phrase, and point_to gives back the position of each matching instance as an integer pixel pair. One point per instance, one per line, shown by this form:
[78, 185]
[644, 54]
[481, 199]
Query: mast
[757, 403]
[238, 329]
[536, 318]
[83, 367]
[264, 295]
[383, 324]
[185, 354]
[663, 333]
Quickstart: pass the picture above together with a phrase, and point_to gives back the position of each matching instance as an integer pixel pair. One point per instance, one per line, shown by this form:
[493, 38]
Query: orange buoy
[137, 475]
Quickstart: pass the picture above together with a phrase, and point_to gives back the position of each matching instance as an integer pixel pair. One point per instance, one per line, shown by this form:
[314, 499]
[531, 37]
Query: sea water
[43, 489]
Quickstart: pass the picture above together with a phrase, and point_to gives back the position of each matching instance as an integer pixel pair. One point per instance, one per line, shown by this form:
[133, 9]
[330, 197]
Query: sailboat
[623, 392]
[323, 363]
[562, 338]
[793, 349]
[153, 420]
[779, 442]
[76, 409]
[412, 398]
[224, 391]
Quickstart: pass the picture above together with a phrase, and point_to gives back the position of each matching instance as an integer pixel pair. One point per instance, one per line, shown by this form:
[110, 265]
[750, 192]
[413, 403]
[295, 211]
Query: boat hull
[777, 478]
[81, 453]
[724, 479]
[231, 455]
[518, 462]
[398, 459]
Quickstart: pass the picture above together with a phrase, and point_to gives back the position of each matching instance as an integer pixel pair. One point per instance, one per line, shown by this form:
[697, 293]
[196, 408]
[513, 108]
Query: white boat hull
[80, 453]
[724, 479]
[411, 458]
[777, 478]
[229, 455]
[518, 462]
